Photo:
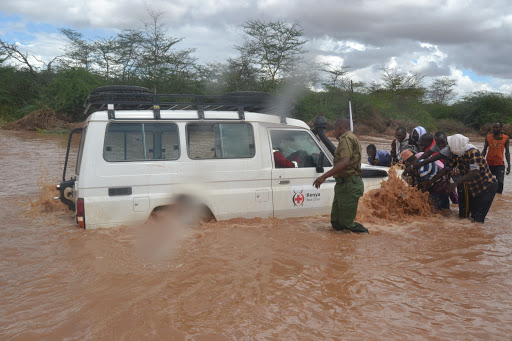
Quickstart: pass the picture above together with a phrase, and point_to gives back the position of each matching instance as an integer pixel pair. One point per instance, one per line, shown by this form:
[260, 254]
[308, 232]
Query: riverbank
[48, 121]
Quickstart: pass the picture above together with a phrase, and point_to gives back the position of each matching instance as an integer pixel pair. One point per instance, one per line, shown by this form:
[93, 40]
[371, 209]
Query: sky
[469, 41]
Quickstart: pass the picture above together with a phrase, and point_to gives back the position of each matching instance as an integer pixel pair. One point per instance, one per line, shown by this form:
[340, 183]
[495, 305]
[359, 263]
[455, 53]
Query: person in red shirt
[281, 161]
[280, 146]
[497, 142]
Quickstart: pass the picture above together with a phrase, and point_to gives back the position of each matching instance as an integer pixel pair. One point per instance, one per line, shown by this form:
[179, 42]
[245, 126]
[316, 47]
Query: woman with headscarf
[475, 183]
[416, 135]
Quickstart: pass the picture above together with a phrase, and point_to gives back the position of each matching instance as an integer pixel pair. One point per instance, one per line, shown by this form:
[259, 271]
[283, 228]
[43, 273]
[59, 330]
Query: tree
[67, 91]
[21, 58]
[128, 51]
[106, 56]
[337, 77]
[156, 48]
[441, 91]
[482, 107]
[275, 47]
[394, 80]
[79, 51]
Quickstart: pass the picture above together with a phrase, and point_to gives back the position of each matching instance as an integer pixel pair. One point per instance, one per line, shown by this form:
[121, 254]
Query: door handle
[284, 182]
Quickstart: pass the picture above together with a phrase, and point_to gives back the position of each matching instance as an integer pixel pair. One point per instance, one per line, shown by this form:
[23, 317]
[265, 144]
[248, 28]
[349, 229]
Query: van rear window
[141, 141]
[220, 140]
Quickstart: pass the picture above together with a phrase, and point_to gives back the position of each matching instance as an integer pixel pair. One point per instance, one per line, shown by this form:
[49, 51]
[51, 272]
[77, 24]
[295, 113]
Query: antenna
[350, 111]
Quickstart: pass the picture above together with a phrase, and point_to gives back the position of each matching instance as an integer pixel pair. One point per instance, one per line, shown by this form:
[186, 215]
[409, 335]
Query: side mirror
[320, 163]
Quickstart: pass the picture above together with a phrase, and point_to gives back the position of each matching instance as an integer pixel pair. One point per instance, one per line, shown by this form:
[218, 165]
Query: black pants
[463, 201]
[499, 173]
[479, 206]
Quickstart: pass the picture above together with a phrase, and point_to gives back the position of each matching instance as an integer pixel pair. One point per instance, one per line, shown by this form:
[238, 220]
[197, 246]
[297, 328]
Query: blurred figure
[497, 142]
[378, 158]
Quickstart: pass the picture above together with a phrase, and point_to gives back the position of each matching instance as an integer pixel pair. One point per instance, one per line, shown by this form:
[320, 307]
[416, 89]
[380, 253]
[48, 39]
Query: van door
[295, 155]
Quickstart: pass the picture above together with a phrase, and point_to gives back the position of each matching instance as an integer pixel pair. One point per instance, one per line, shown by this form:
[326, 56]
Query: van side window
[293, 148]
[80, 151]
[220, 140]
[141, 141]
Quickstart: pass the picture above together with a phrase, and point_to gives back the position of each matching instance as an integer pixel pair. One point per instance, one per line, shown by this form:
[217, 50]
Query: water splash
[395, 201]
[44, 203]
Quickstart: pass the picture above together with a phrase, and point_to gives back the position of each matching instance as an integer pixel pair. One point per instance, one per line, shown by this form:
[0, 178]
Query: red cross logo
[298, 199]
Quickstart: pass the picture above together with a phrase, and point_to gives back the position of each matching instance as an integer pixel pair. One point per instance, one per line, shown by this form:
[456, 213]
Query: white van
[140, 152]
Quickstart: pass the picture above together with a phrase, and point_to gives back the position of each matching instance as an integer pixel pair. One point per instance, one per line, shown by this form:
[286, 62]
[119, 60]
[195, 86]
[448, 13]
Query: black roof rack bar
[156, 107]
[111, 112]
[200, 112]
[113, 102]
[241, 113]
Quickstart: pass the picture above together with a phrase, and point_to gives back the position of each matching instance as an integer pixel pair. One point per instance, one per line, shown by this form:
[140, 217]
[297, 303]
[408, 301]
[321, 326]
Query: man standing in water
[349, 184]
[497, 142]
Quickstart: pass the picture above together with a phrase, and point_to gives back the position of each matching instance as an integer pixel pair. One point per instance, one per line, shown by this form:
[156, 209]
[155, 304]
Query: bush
[451, 127]
[68, 91]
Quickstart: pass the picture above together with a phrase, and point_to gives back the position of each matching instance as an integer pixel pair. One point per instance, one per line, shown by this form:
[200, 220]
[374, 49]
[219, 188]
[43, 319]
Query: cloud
[437, 38]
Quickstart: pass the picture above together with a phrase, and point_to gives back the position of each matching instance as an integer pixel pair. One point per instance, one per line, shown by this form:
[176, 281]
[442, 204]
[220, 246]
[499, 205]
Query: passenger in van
[281, 161]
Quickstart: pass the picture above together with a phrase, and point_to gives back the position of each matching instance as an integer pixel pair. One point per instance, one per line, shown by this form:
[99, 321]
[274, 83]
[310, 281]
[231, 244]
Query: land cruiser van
[140, 152]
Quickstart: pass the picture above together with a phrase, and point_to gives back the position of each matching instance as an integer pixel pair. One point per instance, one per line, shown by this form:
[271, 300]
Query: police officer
[349, 183]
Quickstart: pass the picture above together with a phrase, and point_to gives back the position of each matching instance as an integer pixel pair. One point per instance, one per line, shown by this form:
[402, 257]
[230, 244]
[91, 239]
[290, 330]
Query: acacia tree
[275, 47]
[79, 52]
[21, 58]
[404, 87]
[157, 53]
[128, 50]
[441, 91]
[395, 80]
[337, 77]
[107, 56]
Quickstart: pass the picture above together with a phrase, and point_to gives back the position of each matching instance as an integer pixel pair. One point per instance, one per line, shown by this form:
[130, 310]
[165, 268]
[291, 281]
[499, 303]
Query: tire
[121, 89]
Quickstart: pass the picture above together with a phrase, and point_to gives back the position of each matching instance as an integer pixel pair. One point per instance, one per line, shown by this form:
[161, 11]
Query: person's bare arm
[507, 156]
[428, 160]
[486, 144]
[334, 170]
[468, 177]
[439, 175]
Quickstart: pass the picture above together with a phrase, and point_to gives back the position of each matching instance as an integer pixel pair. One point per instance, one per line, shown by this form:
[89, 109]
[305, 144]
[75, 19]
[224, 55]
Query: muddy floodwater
[428, 278]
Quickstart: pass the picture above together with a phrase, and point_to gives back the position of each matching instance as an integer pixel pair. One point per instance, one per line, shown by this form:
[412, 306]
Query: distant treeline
[271, 59]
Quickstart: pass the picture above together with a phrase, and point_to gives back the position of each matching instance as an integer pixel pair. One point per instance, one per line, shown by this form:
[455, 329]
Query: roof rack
[115, 101]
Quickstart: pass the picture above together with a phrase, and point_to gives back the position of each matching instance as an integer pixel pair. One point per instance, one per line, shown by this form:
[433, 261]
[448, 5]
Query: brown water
[431, 278]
